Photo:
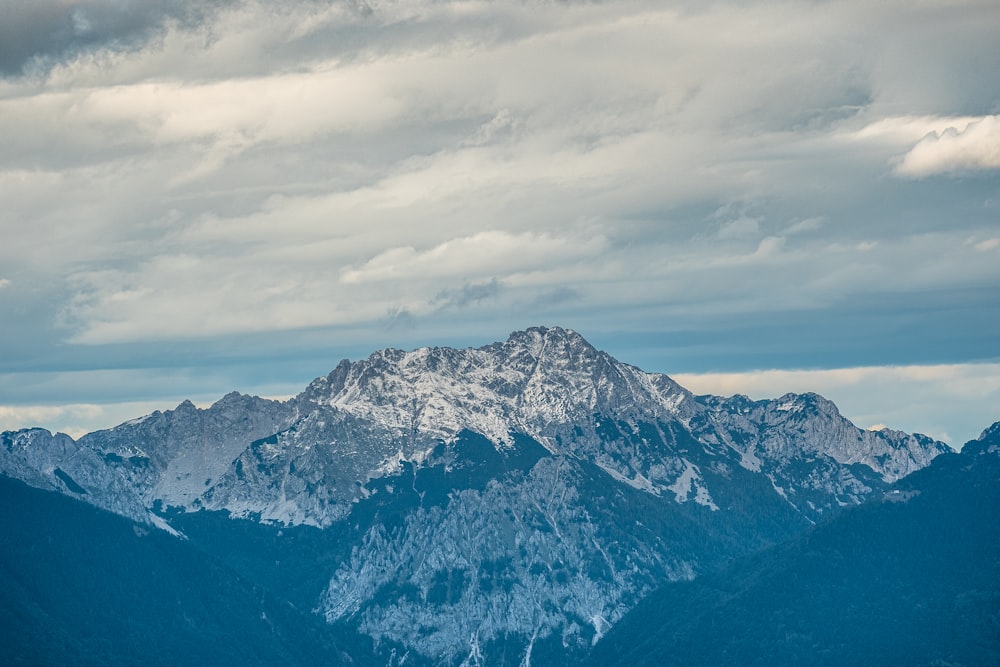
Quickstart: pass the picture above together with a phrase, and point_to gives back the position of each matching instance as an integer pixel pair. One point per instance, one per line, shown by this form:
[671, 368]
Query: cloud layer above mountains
[696, 187]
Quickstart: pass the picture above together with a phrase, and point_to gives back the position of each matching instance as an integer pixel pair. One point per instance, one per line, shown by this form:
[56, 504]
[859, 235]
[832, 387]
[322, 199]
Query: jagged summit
[537, 339]
[537, 381]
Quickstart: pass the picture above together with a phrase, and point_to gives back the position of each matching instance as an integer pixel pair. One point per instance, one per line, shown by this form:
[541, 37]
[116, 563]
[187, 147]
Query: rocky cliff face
[505, 501]
[58, 463]
[174, 456]
[813, 456]
[782, 429]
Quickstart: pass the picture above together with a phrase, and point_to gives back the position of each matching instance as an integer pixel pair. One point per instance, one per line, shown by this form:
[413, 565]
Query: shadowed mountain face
[912, 577]
[498, 504]
[85, 587]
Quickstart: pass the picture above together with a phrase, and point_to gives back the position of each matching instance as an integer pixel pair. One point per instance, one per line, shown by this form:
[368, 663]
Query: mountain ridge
[546, 382]
[482, 491]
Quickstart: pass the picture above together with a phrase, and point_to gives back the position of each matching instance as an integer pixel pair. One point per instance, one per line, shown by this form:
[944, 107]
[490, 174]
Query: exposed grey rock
[59, 463]
[529, 556]
[174, 456]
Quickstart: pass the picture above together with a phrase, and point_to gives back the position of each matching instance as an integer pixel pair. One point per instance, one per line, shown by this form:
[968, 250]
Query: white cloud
[73, 419]
[484, 254]
[4, 282]
[976, 146]
[804, 226]
[906, 130]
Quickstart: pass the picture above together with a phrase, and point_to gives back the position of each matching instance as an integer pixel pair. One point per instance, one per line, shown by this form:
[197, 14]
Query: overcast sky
[753, 197]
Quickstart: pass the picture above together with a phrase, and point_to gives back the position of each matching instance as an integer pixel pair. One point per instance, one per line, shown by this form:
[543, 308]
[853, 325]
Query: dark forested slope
[912, 578]
[85, 587]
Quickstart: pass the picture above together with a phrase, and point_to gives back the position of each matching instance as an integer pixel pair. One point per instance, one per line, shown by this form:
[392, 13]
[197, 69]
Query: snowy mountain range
[487, 505]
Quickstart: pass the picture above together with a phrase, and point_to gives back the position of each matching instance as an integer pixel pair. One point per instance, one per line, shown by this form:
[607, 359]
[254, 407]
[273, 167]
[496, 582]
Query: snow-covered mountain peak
[534, 380]
[559, 342]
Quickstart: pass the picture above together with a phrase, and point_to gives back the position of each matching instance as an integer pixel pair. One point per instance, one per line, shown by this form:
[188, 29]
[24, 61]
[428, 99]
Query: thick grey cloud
[39, 33]
[696, 187]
